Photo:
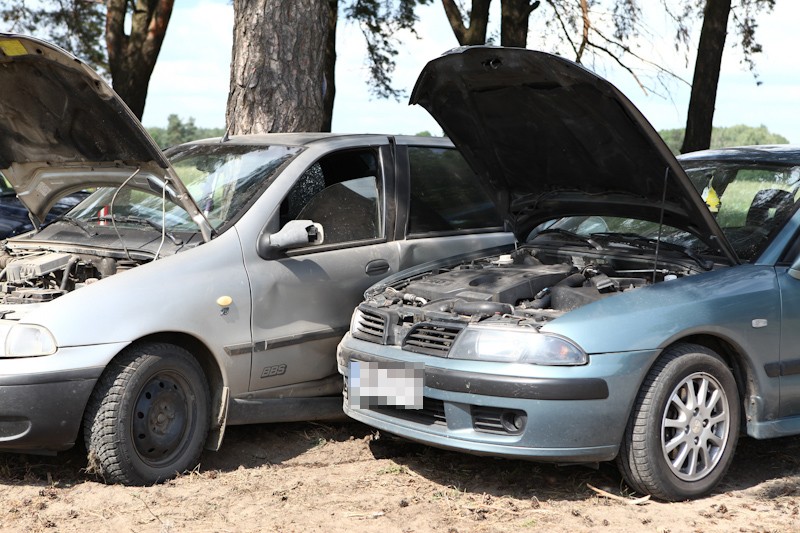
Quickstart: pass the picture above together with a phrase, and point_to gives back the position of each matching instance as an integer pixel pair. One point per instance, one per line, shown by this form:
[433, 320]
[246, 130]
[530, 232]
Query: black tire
[148, 417]
[674, 450]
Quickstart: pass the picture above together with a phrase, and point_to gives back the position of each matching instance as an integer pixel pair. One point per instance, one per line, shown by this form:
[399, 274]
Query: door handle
[377, 266]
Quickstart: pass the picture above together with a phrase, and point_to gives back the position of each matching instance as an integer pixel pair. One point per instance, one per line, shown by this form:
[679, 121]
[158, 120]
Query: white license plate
[386, 384]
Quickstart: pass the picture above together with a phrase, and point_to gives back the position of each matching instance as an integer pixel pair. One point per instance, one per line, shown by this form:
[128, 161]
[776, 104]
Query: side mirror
[293, 234]
[794, 270]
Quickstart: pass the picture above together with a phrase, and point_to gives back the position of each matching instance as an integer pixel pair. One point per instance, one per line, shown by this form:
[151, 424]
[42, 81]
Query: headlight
[355, 320]
[25, 340]
[516, 346]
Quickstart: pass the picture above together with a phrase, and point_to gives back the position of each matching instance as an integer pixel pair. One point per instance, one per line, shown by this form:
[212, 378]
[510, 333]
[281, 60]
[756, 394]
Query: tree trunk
[329, 92]
[282, 66]
[478, 21]
[514, 16]
[132, 57]
[700, 116]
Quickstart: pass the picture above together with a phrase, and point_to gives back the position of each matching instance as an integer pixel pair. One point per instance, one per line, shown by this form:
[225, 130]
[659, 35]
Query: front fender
[724, 303]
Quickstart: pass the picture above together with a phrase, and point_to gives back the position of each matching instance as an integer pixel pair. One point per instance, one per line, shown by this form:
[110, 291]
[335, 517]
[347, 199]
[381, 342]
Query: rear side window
[446, 194]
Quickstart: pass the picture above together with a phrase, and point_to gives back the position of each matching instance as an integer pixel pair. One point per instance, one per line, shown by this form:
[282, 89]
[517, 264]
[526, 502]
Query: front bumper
[42, 399]
[544, 413]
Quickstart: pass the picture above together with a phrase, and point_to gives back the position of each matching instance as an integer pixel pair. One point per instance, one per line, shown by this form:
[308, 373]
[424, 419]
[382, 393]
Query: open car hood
[552, 139]
[63, 129]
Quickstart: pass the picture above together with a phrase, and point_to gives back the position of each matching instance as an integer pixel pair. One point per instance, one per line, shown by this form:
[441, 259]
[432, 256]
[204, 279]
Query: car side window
[446, 195]
[749, 204]
[341, 191]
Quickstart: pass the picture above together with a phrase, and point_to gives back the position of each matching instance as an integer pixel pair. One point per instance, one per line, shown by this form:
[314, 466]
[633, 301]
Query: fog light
[513, 422]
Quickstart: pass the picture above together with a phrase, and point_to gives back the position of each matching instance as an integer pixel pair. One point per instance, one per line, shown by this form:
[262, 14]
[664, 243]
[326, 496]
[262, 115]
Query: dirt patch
[348, 477]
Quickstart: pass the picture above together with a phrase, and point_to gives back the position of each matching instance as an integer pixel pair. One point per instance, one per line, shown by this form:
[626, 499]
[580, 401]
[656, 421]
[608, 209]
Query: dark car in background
[14, 217]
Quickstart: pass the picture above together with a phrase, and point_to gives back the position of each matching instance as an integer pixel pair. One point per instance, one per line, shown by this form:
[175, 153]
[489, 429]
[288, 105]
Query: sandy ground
[347, 477]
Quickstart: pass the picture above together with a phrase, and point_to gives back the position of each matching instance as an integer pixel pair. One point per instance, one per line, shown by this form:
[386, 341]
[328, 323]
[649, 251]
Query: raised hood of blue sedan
[553, 139]
[62, 129]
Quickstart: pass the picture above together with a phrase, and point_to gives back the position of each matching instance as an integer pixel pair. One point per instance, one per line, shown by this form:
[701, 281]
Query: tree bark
[329, 93]
[132, 57]
[478, 21]
[282, 66]
[514, 17]
[700, 115]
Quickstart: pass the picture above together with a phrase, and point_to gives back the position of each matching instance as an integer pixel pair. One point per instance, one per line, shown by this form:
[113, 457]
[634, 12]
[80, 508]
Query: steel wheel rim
[695, 427]
[162, 418]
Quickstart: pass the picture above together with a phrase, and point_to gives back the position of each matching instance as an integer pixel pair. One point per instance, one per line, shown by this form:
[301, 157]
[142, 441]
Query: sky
[191, 76]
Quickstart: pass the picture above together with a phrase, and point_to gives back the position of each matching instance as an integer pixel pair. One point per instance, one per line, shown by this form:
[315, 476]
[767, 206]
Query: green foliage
[77, 26]
[178, 131]
[743, 15]
[739, 135]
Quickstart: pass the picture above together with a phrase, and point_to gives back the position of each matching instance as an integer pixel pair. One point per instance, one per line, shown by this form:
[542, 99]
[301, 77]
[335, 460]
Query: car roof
[307, 138]
[766, 153]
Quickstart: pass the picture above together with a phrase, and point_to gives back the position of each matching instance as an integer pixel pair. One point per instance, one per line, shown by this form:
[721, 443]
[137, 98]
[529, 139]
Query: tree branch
[456, 20]
[586, 26]
[563, 26]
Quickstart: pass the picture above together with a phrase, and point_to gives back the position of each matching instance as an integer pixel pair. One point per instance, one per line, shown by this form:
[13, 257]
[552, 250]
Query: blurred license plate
[386, 384]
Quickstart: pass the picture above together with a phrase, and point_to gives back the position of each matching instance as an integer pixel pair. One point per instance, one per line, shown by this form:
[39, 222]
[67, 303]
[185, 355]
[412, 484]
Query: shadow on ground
[775, 463]
[756, 462]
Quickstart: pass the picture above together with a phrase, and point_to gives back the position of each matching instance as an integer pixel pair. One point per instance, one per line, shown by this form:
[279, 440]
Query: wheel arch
[211, 369]
[733, 356]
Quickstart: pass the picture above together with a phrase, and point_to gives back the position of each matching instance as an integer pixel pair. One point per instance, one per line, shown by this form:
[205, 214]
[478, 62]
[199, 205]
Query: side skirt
[261, 411]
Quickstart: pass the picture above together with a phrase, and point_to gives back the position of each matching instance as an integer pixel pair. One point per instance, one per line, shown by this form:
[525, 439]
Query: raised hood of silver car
[62, 129]
[553, 139]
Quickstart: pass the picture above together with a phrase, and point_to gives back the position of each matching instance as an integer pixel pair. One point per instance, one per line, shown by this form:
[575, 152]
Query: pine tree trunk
[282, 66]
[514, 17]
[330, 67]
[132, 57]
[478, 21]
[700, 115]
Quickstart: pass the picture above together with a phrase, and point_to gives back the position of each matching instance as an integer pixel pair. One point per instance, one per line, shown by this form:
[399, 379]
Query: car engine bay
[528, 287]
[41, 276]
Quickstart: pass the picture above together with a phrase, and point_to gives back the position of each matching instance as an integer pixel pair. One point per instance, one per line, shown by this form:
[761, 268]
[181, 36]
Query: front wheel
[683, 429]
[148, 416]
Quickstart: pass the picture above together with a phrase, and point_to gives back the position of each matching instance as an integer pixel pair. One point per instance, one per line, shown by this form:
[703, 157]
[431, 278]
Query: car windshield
[610, 232]
[222, 178]
[750, 202]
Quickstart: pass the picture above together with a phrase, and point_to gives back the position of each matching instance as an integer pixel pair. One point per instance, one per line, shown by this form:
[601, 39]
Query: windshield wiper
[647, 243]
[75, 222]
[131, 219]
[558, 231]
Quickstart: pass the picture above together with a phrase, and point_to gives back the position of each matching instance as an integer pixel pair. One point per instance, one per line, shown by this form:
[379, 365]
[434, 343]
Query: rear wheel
[683, 429]
[148, 416]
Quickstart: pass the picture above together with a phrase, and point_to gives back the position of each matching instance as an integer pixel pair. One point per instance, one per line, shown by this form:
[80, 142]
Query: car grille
[431, 414]
[431, 338]
[370, 326]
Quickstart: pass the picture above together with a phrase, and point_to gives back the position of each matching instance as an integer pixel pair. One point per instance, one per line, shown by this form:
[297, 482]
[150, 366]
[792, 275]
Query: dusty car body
[198, 289]
[646, 315]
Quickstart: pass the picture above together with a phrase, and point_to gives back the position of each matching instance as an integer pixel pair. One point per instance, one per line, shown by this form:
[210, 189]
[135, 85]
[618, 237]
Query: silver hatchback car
[200, 288]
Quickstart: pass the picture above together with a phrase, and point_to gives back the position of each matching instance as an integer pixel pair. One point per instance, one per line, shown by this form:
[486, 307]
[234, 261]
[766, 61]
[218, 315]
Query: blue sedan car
[648, 314]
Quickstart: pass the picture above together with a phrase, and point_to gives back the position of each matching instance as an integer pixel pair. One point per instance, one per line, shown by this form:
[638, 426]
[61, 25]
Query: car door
[444, 209]
[302, 302]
